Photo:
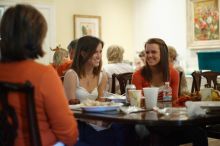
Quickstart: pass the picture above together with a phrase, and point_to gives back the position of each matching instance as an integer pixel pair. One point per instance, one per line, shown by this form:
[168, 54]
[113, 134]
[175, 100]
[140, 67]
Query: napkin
[131, 109]
[194, 110]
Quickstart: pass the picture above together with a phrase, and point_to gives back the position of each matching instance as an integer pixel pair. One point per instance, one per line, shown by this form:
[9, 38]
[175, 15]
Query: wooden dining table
[156, 122]
[151, 118]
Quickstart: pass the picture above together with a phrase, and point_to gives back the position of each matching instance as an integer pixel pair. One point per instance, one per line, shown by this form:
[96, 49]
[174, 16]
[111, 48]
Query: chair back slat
[180, 82]
[28, 90]
[122, 79]
[196, 83]
[211, 80]
[8, 130]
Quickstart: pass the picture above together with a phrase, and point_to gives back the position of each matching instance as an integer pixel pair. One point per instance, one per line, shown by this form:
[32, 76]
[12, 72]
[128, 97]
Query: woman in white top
[115, 65]
[86, 81]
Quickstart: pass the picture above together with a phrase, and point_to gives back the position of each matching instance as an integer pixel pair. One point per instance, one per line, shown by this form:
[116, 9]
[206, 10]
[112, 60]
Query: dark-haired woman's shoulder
[70, 75]
[137, 72]
[137, 79]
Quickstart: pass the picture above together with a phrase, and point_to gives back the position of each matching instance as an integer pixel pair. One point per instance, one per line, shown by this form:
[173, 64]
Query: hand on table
[74, 101]
[103, 99]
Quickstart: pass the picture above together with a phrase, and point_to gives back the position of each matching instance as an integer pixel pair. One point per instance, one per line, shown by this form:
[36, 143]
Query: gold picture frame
[203, 24]
[87, 25]
[2, 9]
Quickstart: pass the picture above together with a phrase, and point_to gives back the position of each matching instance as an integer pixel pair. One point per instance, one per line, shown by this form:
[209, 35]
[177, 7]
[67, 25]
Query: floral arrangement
[206, 23]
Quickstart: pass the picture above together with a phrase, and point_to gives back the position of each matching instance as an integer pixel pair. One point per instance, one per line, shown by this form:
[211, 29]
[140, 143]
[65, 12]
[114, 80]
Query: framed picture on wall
[87, 25]
[1, 11]
[203, 24]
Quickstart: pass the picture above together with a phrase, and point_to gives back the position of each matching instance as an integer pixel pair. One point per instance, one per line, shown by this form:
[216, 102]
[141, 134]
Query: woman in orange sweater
[23, 29]
[157, 70]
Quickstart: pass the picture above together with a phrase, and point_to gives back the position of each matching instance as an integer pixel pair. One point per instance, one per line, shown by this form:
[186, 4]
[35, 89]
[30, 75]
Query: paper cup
[151, 95]
[206, 94]
[135, 97]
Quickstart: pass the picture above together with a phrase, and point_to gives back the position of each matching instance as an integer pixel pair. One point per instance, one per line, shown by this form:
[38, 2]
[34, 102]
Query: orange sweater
[55, 119]
[139, 81]
[61, 70]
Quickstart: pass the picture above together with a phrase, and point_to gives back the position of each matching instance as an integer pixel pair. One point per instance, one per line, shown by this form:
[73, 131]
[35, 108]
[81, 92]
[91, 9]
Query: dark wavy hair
[22, 29]
[72, 45]
[86, 45]
[162, 66]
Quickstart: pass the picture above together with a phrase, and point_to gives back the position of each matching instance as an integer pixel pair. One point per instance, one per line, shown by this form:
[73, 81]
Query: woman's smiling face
[152, 54]
[96, 57]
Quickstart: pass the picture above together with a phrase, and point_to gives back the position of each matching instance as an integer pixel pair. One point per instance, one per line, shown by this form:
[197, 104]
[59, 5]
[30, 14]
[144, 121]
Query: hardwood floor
[212, 142]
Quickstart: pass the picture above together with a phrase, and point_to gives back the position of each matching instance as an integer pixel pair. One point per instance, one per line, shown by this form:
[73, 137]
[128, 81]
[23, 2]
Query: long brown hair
[162, 66]
[87, 45]
[23, 29]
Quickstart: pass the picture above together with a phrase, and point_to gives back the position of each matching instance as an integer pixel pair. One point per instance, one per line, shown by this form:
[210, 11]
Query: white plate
[208, 103]
[210, 106]
[75, 107]
[117, 98]
[101, 108]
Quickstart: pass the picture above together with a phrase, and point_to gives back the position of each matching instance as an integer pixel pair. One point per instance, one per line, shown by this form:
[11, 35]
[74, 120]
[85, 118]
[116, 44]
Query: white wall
[129, 23]
[50, 40]
[117, 21]
[165, 19]
[47, 9]
[116, 15]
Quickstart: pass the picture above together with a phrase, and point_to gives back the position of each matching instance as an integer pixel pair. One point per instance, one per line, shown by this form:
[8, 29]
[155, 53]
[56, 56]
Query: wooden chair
[8, 129]
[180, 77]
[196, 83]
[123, 79]
[211, 80]
[213, 131]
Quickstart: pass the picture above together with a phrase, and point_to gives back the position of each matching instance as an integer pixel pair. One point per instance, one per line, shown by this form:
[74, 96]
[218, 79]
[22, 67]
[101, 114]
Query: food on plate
[215, 96]
[96, 103]
[196, 96]
[187, 97]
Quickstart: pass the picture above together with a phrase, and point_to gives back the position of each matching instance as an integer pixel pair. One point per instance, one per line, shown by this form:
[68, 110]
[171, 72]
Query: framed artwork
[203, 24]
[1, 14]
[87, 25]
[1, 11]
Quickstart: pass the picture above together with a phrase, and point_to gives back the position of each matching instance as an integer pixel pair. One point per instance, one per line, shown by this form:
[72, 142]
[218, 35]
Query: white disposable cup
[206, 94]
[135, 97]
[151, 95]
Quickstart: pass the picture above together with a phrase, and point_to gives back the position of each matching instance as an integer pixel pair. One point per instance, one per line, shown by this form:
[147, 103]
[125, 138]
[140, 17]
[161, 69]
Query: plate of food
[96, 106]
[210, 106]
[100, 108]
[206, 104]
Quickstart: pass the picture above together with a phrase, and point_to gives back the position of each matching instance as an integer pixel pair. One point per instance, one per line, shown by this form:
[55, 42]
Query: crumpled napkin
[194, 110]
[131, 109]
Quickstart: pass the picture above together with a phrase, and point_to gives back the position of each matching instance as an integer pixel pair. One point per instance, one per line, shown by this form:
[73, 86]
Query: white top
[116, 68]
[81, 93]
